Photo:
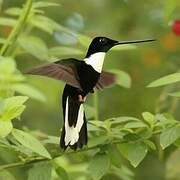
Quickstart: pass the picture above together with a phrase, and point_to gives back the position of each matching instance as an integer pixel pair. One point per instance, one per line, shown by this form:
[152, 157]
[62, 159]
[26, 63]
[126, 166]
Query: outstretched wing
[64, 70]
[106, 80]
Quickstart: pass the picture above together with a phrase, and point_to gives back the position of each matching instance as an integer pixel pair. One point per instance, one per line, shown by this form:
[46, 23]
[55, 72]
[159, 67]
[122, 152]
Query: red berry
[176, 27]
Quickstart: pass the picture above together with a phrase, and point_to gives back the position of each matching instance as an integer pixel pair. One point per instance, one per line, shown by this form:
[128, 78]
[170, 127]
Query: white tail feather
[72, 133]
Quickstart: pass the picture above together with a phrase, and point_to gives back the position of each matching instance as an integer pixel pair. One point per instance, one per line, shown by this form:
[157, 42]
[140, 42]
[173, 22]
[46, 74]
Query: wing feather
[65, 72]
[106, 80]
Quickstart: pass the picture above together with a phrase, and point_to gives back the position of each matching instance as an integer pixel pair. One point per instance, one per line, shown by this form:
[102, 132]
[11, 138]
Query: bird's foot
[81, 98]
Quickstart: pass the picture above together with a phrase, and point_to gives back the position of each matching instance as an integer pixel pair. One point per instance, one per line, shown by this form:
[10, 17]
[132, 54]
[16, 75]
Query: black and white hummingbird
[81, 78]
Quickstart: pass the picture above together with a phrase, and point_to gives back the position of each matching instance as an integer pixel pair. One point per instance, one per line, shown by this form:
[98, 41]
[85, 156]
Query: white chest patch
[96, 60]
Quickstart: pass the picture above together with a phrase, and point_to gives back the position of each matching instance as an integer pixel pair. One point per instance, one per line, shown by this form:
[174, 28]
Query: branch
[43, 159]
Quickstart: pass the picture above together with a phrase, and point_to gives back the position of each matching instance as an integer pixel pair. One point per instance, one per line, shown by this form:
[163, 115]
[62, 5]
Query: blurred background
[120, 20]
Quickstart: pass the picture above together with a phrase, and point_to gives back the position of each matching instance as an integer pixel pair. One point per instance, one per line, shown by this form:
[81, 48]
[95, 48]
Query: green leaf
[169, 79]
[99, 166]
[6, 175]
[134, 152]
[150, 144]
[114, 155]
[14, 11]
[9, 79]
[62, 173]
[7, 65]
[7, 21]
[30, 142]
[29, 90]
[99, 124]
[94, 141]
[123, 119]
[123, 79]
[149, 118]
[48, 25]
[41, 23]
[35, 46]
[51, 140]
[40, 171]
[92, 127]
[132, 125]
[169, 136]
[175, 94]
[5, 128]
[164, 119]
[15, 101]
[59, 51]
[13, 107]
[43, 4]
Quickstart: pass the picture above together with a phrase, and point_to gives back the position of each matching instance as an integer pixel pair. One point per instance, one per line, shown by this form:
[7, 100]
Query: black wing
[106, 80]
[64, 70]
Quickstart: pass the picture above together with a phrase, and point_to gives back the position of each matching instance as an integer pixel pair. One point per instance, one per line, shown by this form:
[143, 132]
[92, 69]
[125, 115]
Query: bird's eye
[102, 40]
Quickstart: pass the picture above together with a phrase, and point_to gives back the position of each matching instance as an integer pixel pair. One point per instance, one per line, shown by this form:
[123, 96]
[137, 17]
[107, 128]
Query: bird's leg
[81, 98]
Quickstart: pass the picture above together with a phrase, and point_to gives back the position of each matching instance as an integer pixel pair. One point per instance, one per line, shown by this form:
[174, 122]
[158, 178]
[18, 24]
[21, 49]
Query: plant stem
[40, 159]
[8, 45]
[95, 102]
[159, 148]
[23, 163]
[174, 105]
[43, 159]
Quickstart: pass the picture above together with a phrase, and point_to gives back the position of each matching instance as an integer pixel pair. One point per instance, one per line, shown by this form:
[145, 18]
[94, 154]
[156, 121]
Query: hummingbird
[81, 77]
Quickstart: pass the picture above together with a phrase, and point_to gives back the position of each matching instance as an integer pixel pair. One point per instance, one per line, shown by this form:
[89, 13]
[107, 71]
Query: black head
[103, 44]
[100, 44]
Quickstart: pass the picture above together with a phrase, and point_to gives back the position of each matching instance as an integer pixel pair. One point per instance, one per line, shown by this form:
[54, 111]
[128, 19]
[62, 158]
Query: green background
[120, 20]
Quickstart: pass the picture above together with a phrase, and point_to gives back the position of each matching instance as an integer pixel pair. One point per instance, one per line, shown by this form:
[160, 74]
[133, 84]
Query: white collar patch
[96, 60]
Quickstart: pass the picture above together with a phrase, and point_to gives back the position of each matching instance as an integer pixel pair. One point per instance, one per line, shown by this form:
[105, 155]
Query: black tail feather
[73, 109]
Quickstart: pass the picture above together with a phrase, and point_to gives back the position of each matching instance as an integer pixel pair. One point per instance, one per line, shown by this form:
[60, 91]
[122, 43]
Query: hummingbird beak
[133, 42]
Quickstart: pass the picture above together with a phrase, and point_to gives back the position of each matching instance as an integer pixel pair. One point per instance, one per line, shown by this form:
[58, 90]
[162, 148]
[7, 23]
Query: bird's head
[103, 44]
[100, 44]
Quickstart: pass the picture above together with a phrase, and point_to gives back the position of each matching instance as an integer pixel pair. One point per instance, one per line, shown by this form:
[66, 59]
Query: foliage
[110, 141]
